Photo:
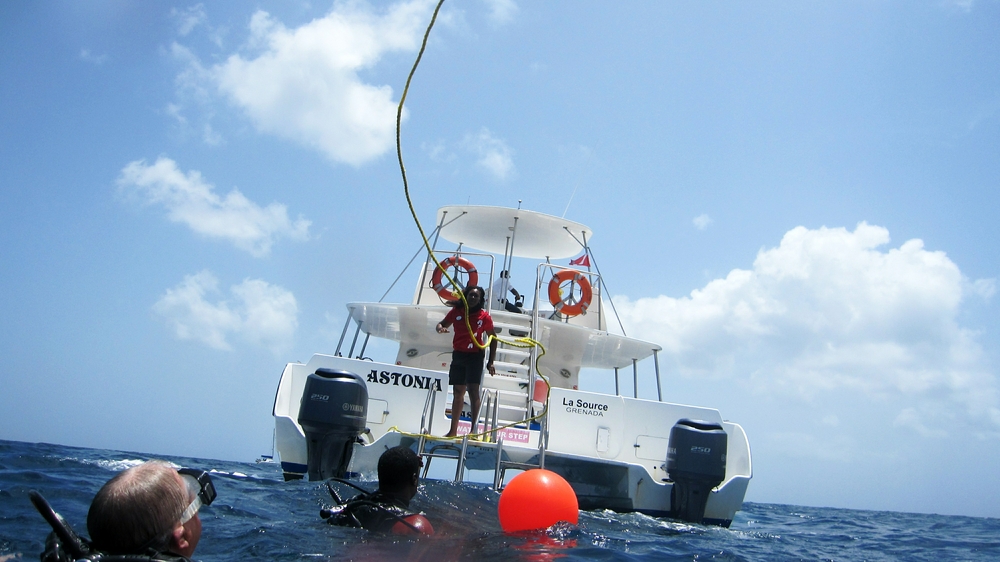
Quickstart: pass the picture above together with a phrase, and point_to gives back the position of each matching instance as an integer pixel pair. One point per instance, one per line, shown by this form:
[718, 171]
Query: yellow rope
[520, 342]
[406, 185]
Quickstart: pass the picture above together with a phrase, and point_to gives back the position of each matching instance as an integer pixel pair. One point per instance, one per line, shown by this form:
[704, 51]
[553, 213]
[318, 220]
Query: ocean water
[258, 515]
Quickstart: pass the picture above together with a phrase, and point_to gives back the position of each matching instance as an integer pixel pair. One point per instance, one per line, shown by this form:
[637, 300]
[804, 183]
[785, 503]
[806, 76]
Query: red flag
[583, 260]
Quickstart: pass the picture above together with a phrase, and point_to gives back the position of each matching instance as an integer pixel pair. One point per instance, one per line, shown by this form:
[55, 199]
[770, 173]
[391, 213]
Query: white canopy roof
[567, 345]
[537, 235]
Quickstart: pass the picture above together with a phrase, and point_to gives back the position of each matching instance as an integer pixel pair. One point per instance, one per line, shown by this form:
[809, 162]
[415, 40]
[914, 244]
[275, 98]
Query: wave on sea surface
[258, 515]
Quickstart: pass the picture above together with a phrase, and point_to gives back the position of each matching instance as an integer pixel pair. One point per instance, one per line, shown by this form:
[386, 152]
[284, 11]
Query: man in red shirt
[466, 371]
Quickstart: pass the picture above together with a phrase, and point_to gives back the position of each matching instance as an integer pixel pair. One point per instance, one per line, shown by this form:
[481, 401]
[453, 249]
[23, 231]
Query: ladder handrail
[429, 406]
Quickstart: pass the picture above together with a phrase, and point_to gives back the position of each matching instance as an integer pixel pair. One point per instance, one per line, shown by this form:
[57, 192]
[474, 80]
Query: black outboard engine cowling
[333, 412]
[696, 462]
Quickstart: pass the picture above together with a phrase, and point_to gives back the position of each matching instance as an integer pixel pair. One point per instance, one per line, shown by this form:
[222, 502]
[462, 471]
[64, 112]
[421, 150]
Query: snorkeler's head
[398, 469]
[144, 507]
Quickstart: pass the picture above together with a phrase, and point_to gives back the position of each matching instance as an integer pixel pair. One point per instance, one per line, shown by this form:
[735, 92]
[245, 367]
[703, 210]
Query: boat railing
[484, 429]
[506, 406]
[427, 419]
[548, 271]
[635, 378]
[425, 293]
[500, 469]
[592, 315]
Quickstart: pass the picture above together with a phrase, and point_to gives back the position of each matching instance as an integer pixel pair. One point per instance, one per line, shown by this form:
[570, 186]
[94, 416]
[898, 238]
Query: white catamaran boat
[336, 414]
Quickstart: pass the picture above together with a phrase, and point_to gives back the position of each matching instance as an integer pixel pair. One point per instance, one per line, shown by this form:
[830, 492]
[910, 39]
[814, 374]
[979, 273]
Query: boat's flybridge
[482, 235]
[413, 326]
[613, 449]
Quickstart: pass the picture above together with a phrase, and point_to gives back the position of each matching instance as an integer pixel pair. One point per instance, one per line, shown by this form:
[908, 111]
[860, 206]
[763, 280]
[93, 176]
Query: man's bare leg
[475, 399]
[456, 408]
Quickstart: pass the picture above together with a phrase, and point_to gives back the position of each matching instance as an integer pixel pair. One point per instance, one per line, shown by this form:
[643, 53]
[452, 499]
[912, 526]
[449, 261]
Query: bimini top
[537, 235]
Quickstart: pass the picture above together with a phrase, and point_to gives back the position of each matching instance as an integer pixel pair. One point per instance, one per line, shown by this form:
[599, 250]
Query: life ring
[448, 293]
[566, 306]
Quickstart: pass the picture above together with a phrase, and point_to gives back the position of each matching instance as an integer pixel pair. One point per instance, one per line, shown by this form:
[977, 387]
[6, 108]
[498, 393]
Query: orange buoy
[537, 499]
[418, 521]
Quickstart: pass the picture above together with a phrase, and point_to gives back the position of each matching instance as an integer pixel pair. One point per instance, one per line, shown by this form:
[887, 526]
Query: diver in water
[388, 508]
[146, 513]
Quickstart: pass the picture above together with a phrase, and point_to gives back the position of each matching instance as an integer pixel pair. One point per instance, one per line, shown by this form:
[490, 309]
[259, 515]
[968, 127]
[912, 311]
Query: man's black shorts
[466, 368]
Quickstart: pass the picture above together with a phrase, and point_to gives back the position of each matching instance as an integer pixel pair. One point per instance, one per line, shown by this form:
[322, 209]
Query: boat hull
[611, 449]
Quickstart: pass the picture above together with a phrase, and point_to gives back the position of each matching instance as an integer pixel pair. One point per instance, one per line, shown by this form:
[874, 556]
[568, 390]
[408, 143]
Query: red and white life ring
[458, 263]
[568, 306]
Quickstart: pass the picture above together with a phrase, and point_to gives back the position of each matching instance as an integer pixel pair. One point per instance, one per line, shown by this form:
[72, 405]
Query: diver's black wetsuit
[64, 545]
[56, 551]
[375, 512]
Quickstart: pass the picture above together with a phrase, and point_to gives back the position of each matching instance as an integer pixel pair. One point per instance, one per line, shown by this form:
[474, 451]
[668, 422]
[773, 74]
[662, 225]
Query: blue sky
[796, 199]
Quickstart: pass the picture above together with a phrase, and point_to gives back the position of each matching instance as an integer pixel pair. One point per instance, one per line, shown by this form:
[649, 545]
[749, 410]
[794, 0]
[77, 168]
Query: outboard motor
[696, 462]
[333, 413]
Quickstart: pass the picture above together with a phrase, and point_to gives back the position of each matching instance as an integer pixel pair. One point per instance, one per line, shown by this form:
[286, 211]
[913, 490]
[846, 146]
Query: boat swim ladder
[429, 447]
[501, 467]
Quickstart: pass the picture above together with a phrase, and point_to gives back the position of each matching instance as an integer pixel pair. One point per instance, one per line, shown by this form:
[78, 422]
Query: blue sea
[258, 515]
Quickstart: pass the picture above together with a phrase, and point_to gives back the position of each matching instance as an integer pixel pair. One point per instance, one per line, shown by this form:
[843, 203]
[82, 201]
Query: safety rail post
[430, 256]
[429, 405]
[508, 260]
[533, 334]
[541, 451]
[656, 365]
[597, 286]
[354, 341]
[364, 346]
[489, 407]
[460, 471]
[343, 333]
[485, 402]
[426, 427]
[635, 378]
[498, 471]
[496, 413]
[543, 439]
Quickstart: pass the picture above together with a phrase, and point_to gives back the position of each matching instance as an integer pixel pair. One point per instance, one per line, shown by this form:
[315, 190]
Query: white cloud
[962, 5]
[303, 84]
[87, 56]
[701, 222]
[985, 288]
[260, 313]
[185, 309]
[909, 418]
[492, 153]
[195, 80]
[438, 151]
[828, 310]
[840, 449]
[209, 136]
[188, 199]
[189, 18]
[174, 111]
[501, 11]
[269, 313]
